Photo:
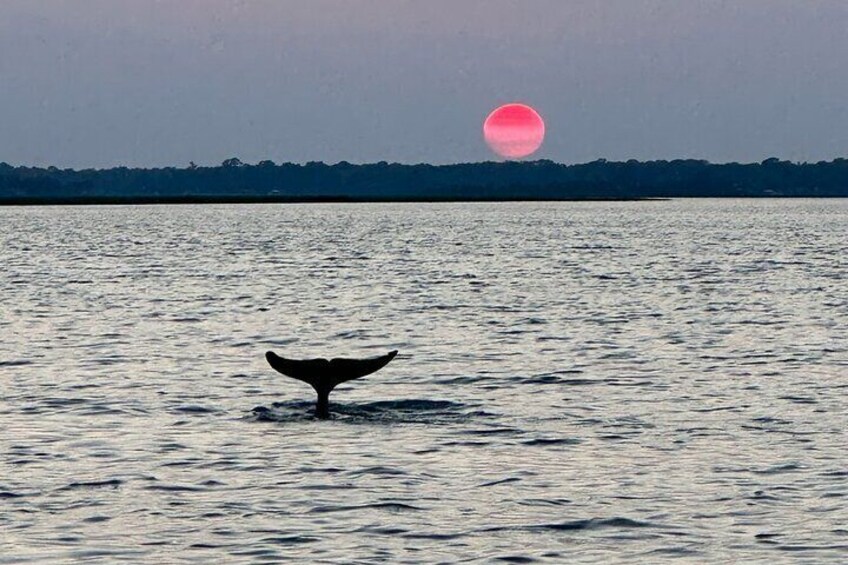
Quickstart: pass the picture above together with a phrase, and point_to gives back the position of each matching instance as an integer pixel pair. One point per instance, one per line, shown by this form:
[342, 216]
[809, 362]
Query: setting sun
[514, 131]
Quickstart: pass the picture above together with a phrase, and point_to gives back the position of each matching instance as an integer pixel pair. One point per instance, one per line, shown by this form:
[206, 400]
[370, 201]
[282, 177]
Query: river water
[581, 382]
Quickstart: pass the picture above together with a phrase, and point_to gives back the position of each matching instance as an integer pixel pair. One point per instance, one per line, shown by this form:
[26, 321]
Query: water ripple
[578, 382]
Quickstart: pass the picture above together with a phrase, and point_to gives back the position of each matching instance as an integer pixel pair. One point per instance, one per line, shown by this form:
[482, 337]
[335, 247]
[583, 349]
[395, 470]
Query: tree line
[235, 181]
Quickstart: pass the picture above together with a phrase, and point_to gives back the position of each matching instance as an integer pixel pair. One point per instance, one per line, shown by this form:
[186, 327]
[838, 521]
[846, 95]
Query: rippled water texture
[612, 382]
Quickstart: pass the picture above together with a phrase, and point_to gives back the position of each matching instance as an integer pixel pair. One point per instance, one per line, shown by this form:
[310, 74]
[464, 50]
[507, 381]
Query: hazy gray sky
[162, 82]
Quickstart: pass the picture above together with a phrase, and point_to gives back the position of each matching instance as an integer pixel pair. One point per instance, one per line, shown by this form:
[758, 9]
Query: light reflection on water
[577, 381]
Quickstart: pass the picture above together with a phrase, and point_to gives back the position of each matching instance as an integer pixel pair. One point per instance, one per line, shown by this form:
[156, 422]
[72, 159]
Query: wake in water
[410, 411]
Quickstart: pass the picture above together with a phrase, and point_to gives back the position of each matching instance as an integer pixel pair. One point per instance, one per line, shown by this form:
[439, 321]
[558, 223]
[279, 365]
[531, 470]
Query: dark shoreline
[339, 200]
[530, 181]
[343, 200]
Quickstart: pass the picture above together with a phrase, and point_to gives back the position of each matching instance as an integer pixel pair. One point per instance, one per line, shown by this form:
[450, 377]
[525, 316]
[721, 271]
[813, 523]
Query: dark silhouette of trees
[530, 180]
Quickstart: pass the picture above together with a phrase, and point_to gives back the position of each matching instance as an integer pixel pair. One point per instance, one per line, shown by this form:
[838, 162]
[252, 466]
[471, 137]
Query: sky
[100, 83]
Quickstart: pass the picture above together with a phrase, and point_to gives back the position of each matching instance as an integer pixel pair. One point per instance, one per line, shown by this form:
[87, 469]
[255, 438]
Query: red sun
[514, 131]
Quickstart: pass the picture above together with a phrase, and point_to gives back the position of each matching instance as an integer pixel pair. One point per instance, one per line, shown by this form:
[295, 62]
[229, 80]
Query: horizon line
[235, 162]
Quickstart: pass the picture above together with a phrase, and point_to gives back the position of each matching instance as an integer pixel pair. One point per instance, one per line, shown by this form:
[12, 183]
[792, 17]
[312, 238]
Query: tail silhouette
[324, 375]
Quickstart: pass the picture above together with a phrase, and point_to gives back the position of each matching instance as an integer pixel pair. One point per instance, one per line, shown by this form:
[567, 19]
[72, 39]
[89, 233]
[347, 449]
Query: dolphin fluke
[324, 376]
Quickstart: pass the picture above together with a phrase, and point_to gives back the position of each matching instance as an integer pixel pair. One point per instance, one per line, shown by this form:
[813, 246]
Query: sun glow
[514, 131]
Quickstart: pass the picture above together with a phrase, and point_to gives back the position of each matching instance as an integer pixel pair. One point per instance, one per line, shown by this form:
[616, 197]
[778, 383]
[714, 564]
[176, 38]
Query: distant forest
[234, 181]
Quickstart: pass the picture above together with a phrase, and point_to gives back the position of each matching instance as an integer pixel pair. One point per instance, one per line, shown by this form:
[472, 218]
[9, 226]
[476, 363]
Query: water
[581, 382]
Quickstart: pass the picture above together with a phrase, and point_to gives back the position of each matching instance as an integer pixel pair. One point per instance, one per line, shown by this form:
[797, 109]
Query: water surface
[581, 382]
